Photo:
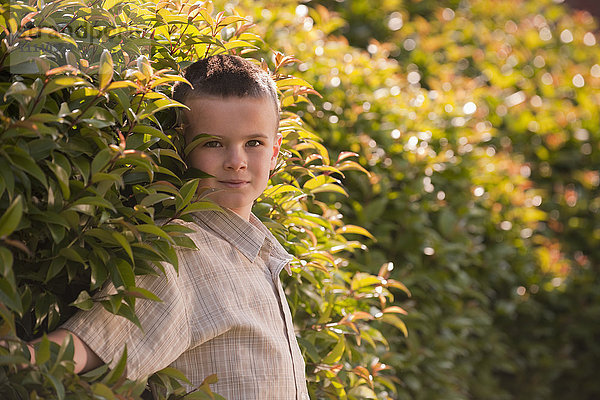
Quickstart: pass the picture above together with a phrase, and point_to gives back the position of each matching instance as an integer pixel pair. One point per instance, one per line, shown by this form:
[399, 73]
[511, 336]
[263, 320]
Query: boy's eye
[212, 143]
[254, 143]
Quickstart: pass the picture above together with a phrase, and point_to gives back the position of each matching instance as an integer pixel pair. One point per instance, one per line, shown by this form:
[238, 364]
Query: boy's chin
[232, 201]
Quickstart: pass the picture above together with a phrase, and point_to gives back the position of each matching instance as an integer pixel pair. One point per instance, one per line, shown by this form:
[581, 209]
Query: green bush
[478, 124]
[91, 178]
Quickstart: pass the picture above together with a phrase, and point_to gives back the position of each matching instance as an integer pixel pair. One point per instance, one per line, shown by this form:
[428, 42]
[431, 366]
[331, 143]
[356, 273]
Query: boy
[225, 313]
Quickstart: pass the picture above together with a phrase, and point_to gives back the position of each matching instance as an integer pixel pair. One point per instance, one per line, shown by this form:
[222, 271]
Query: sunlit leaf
[336, 353]
[106, 70]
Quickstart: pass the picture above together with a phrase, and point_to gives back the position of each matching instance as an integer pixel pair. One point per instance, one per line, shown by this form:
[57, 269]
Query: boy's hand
[85, 359]
[30, 348]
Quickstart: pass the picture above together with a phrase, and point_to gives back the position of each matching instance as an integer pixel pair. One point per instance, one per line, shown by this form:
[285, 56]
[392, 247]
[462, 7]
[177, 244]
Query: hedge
[91, 178]
[478, 123]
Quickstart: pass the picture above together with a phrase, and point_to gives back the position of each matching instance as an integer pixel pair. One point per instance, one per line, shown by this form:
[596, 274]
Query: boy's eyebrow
[257, 135]
[208, 136]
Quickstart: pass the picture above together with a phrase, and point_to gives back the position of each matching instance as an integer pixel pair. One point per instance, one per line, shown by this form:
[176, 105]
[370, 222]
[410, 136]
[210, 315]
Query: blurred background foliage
[92, 178]
[477, 122]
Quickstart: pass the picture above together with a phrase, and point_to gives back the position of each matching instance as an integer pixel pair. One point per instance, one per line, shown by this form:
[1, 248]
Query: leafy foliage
[478, 124]
[92, 177]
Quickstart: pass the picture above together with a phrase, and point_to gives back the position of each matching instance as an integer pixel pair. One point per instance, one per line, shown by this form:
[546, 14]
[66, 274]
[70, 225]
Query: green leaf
[72, 254]
[198, 139]
[106, 70]
[119, 369]
[63, 82]
[157, 106]
[395, 321]
[286, 82]
[83, 301]
[126, 311]
[96, 373]
[280, 189]
[122, 240]
[151, 131]
[169, 254]
[361, 280]
[142, 293]
[9, 295]
[19, 88]
[167, 79]
[200, 206]
[330, 187]
[187, 191]
[62, 175]
[336, 354]
[23, 161]
[10, 360]
[102, 391]
[12, 216]
[317, 181]
[154, 198]
[126, 276]
[42, 353]
[92, 201]
[154, 230]
[6, 261]
[174, 373]
[48, 34]
[58, 386]
[310, 349]
[55, 267]
[356, 230]
[362, 392]
[121, 85]
[7, 177]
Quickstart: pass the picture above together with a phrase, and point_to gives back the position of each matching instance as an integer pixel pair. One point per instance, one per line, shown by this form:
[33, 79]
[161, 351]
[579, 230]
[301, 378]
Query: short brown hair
[224, 76]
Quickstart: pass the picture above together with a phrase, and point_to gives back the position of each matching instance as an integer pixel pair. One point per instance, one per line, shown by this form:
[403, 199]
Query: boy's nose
[236, 160]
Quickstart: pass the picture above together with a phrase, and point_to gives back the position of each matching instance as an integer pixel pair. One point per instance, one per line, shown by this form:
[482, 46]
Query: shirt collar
[246, 236]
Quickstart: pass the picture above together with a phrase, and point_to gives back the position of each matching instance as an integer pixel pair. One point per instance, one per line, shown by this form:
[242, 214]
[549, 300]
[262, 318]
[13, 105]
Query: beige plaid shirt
[225, 313]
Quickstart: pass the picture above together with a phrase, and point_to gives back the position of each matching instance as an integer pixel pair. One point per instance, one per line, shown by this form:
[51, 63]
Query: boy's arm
[85, 359]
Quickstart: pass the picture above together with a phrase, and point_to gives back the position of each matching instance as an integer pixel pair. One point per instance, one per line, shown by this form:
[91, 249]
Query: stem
[207, 50]
[75, 16]
[76, 120]
[179, 40]
[134, 123]
[39, 96]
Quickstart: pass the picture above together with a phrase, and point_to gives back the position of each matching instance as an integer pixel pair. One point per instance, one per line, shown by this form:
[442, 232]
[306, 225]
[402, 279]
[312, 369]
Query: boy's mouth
[233, 183]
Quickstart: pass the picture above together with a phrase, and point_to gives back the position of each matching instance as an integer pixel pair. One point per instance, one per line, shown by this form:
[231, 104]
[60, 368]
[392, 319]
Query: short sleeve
[164, 337]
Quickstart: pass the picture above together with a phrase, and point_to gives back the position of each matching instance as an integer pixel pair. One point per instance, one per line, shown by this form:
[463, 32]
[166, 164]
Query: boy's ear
[276, 147]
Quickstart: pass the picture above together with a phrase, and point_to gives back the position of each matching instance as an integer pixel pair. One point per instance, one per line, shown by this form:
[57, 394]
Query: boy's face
[243, 151]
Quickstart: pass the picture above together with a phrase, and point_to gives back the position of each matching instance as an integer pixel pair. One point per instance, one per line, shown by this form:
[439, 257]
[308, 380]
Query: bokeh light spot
[545, 34]
[395, 22]
[547, 79]
[409, 44]
[566, 36]
[578, 81]
[506, 225]
[589, 39]
[539, 62]
[448, 14]
[301, 11]
[413, 77]
[469, 108]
